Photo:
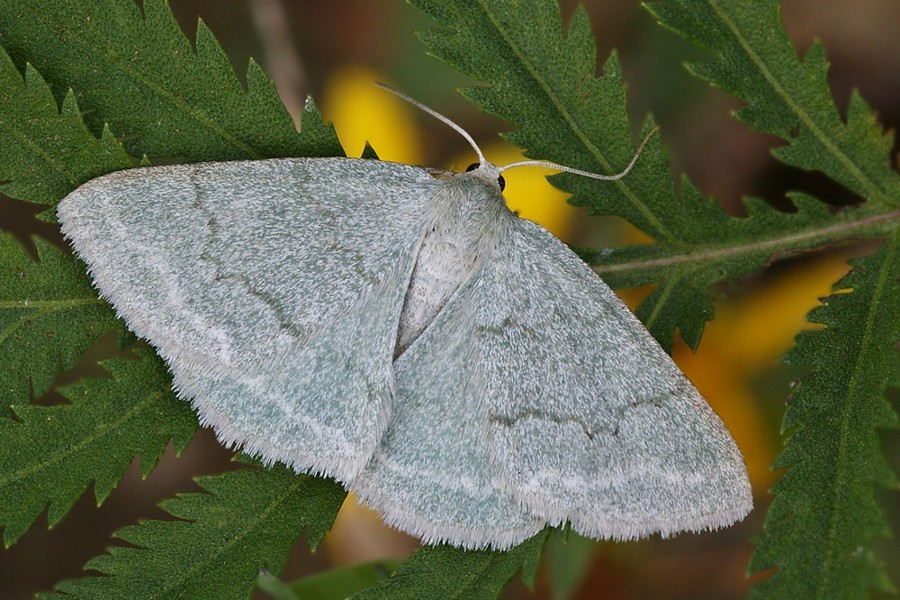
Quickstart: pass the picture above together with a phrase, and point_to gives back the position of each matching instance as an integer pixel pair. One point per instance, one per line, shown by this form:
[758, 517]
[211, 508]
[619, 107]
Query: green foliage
[164, 97]
[822, 522]
[49, 315]
[445, 572]
[786, 96]
[245, 523]
[160, 94]
[543, 81]
[35, 134]
[51, 454]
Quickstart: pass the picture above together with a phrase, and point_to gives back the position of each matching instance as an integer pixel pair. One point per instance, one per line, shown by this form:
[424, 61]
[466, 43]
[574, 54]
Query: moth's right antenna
[552, 165]
[437, 116]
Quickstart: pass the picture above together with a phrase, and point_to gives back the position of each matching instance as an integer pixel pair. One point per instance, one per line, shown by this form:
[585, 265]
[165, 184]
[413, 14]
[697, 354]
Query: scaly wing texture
[431, 476]
[272, 289]
[589, 420]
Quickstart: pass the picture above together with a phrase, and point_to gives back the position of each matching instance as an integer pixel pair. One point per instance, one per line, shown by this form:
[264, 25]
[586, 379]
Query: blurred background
[334, 51]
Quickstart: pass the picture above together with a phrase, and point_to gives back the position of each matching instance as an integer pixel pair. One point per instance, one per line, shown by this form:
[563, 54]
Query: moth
[457, 367]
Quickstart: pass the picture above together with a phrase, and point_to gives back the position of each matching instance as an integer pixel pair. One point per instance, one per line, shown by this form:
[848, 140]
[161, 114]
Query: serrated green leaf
[246, 522]
[49, 455]
[135, 70]
[443, 573]
[824, 518]
[786, 96]
[47, 152]
[49, 315]
[544, 82]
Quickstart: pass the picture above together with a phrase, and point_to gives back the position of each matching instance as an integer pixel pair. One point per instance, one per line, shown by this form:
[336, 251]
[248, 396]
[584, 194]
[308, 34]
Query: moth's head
[488, 173]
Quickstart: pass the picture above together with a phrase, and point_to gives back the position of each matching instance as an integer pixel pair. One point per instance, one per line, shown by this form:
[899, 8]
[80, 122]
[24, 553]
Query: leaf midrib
[46, 305]
[807, 120]
[668, 286]
[659, 227]
[836, 232]
[98, 433]
[51, 305]
[844, 437]
[178, 583]
[474, 576]
[199, 116]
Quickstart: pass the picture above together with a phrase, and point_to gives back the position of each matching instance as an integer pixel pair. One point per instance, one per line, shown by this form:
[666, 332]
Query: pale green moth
[459, 368]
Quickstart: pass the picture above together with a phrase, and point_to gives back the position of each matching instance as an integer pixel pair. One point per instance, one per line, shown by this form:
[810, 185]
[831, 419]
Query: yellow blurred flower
[362, 112]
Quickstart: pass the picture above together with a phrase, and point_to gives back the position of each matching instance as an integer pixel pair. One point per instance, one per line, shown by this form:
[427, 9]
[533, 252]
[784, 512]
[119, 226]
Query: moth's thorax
[467, 216]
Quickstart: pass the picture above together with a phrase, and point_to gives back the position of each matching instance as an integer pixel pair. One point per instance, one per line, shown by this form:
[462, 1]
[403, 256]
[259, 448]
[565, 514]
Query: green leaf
[49, 315]
[545, 83]
[443, 572]
[822, 523]
[163, 96]
[247, 522]
[341, 583]
[49, 455]
[47, 152]
[786, 96]
[825, 515]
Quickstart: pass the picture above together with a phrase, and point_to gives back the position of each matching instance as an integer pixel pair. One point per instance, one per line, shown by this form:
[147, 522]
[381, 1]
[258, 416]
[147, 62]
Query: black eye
[472, 167]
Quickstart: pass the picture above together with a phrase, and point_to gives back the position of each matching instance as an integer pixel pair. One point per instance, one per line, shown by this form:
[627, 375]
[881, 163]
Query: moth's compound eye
[472, 167]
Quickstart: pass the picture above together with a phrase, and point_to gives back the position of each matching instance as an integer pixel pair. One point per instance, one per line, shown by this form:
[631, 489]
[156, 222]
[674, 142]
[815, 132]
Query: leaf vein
[174, 100]
[222, 548]
[845, 437]
[57, 457]
[787, 241]
[661, 301]
[573, 125]
[807, 120]
[51, 306]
